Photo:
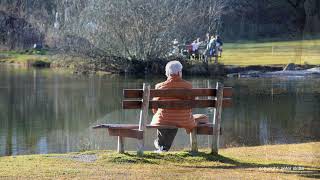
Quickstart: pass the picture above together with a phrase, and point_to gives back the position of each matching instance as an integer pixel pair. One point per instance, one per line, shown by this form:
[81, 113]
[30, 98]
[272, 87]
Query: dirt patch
[80, 158]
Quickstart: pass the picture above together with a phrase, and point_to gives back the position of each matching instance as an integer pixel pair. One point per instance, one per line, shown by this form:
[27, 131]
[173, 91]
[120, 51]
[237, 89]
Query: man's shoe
[156, 144]
[159, 151]
[159, 148]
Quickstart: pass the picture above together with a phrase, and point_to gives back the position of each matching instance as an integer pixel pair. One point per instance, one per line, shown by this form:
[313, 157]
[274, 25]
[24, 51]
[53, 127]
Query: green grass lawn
[21, 58]
[271, 53]
[293, 161]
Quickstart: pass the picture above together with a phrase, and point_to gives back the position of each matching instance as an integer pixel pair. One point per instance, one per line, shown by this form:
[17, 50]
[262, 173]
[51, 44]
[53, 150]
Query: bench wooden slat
[177, 93]
[117, 126]
[161, 126]
[136, 104]
[227, 92]
[130, 133]
[132, 93]
[205, 129]
[202, 129]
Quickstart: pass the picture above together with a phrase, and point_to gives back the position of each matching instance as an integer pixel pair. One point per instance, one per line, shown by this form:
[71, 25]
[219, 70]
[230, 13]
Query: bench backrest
[181, 98]
[178, 98]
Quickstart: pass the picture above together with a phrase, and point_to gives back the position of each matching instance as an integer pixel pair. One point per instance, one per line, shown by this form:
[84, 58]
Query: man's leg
[165, 138]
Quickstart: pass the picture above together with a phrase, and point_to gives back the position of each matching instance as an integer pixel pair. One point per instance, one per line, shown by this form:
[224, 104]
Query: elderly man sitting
[174, 117]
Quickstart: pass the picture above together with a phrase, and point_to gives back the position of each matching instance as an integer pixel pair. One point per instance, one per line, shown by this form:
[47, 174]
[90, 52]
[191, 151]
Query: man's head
[173, 68]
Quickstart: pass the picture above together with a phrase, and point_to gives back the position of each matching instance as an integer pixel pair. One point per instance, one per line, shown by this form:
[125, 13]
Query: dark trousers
[165, 138]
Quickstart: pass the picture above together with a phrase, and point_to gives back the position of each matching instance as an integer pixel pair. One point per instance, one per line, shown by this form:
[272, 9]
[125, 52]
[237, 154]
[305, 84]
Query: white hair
[173, 68]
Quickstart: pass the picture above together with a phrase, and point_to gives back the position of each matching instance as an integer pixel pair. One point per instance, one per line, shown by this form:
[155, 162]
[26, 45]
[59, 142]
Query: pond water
[43, 111]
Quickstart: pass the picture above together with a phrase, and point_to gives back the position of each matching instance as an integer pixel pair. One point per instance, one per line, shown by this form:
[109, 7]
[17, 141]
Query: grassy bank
[272, 53]
[294, 161]
[33, 58]
[238, 54]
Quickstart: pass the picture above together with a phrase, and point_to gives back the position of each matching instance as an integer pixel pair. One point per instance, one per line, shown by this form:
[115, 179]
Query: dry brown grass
[293, 161]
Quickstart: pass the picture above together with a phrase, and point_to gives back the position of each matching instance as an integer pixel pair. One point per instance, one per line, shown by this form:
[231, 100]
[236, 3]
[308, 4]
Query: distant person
[211, 46]
[198, 42]
[207, 39]
[178, 118]
[189, 48]
[206, 51]
[175, 42]
[219, 45]
[195, 47]
[37, 46]
[175, 48]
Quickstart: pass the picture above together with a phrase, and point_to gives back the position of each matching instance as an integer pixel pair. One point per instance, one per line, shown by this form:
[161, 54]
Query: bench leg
[193, 141]
[215, 142]
[217, 119]
[140, 147]
[120, 144]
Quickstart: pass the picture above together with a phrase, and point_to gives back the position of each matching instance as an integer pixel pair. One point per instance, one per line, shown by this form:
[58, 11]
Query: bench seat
[131, 130]
[117, 126]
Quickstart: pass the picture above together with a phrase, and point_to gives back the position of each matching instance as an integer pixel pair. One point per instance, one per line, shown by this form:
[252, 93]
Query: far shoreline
[82, 66]
[236, 59]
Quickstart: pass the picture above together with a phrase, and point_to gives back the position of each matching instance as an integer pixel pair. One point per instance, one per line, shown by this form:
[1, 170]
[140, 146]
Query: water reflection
[50, 112]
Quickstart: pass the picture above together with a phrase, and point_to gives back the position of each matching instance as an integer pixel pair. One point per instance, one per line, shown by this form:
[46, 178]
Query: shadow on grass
[149, 158]
[304, 171]
[128, 158]
[195, 160]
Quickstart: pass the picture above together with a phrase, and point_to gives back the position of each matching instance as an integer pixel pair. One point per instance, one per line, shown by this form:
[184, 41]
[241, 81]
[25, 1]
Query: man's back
[175, 117]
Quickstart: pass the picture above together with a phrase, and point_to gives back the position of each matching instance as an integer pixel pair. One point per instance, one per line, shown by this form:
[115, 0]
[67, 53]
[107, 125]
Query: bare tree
[146, 28]
[141, 29]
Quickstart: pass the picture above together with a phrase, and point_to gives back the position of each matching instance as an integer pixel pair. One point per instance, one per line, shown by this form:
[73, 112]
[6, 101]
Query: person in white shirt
[211, 46]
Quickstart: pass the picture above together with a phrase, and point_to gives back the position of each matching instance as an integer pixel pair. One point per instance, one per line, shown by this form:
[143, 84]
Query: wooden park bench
[181, 98]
